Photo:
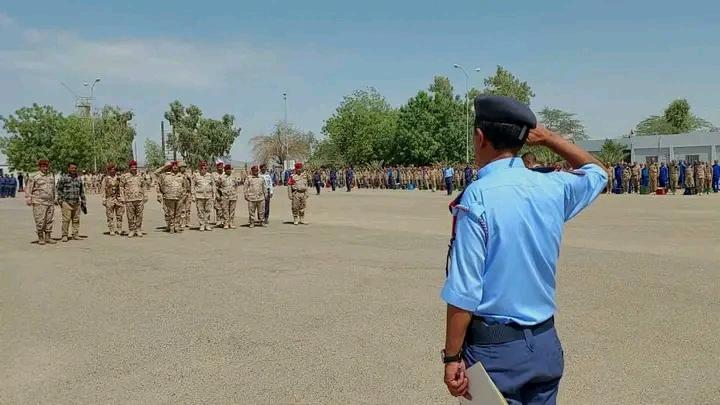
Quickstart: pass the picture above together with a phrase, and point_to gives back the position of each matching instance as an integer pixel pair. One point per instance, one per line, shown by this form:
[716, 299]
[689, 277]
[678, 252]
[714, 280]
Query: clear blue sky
[611, 62]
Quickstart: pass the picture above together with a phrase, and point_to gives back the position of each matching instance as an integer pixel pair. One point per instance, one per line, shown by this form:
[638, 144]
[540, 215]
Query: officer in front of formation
[508, 224]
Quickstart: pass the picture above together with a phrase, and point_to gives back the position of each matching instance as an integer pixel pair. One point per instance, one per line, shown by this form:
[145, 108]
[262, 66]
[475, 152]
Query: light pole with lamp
[467, 114]
[92, 120]
[287, 147]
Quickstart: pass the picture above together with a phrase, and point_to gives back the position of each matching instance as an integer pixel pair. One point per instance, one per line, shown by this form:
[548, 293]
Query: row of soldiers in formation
[435, 177]
[176, 187]
[700, 177]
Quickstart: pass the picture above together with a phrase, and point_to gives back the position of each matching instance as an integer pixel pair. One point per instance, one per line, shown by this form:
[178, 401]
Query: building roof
[652, 141]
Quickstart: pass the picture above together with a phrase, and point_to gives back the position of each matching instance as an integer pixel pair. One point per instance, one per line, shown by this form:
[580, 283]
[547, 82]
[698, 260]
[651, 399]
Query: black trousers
[449, 185]
[267, 208]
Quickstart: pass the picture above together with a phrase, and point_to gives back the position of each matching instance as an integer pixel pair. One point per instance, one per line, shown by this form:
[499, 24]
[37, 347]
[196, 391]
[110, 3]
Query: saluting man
[297, 191]
[500, 290]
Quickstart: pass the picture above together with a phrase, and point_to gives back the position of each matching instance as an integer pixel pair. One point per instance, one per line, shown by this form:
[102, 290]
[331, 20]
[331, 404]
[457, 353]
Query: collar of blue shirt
[501, 164]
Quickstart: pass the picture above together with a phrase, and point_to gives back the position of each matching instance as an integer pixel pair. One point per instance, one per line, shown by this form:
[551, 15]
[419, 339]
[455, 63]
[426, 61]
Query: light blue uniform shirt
[509, 226]
[448, 172]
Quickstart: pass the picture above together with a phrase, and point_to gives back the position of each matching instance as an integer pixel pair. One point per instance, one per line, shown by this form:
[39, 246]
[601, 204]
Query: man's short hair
[501, 135]
[72, 164]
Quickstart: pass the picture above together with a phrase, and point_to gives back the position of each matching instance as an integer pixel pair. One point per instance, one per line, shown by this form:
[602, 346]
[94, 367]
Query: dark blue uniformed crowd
[8, 186]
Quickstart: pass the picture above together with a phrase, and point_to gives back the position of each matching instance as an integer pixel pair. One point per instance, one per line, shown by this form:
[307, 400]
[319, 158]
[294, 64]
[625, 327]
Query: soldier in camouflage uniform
[228, 188]
[112, 201]
[203, 195]
[170, 190]
[689, 178]
[40, 195]
[185, 200]
[133, 192]
[297, 191]
[699, 177]
[653, 176]
[255, 194]
[217, 176]
[626, 178]
[635, 178]
[674, 176]
[708, 177]
[70, 193]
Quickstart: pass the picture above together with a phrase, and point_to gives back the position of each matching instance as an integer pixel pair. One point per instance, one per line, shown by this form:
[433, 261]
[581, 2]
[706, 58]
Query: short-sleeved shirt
[502, 262]
[448, 172]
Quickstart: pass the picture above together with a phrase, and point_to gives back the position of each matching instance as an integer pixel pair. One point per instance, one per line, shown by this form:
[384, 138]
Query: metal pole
[162, 137]
[467, 113]
[287, 136]
[92, 120]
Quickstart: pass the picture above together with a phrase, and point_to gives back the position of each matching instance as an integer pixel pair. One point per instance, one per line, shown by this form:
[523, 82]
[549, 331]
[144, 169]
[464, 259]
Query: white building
[695, 146]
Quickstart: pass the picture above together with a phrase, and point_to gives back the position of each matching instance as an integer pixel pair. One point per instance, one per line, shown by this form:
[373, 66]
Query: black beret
[504, 110]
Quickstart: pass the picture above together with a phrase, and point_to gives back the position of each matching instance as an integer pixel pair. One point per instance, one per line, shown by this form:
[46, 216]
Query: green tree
[114, 136]
[612, 152]
[504, 83]
[362, 128]
[677, 119]
[74, 143]
[154, 156]
[30, 135]
[285, 142]
[198, 138]
[563, 122]
[431, 127]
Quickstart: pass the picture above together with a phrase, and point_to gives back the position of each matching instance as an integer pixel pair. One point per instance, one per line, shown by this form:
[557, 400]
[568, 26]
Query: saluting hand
[539, 136]
[456, 380]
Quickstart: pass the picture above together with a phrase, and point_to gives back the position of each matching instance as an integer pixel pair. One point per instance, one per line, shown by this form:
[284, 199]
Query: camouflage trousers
[673, 182]
[44, 216]
[653, 183]
[635, 183]
[184, 210]
[229, 211]
[219, 211]
[135, 215]
[204, 207]
[626, 185]
[172, 213]
[114, 212]
[256, 208]
[689, 182]
[297, 204]
[70, 214]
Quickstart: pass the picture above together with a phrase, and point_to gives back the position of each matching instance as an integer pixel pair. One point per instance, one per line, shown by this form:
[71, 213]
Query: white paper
[481, 388]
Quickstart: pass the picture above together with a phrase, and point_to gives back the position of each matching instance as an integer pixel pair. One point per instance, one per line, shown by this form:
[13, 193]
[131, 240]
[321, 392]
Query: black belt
[480, 333]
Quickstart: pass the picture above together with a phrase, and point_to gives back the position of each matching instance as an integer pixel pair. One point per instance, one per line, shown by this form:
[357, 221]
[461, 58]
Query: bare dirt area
[345, 309]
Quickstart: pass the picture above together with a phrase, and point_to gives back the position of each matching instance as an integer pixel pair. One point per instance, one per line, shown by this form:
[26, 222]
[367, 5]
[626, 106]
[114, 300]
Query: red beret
[44, 162]
[227, 166]
[174, 163]
[132, 163]
[298, 165]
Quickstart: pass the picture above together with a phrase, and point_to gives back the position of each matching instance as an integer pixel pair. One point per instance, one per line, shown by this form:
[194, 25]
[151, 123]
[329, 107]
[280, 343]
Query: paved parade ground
[345, 309]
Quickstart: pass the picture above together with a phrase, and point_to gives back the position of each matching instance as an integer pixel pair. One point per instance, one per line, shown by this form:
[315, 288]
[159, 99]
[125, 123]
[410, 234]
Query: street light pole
[467, 114]
[92, 121]
[287, 137]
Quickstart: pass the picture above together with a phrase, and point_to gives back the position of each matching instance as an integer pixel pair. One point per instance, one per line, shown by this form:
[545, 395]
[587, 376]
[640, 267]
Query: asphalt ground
[345, 309]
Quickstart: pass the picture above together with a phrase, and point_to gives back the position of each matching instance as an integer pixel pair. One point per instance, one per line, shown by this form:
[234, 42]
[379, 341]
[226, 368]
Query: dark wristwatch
[451, 359]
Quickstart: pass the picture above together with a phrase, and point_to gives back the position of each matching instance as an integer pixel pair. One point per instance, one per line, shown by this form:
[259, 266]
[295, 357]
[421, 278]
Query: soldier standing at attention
[708, 177]
[333, 178]
[674, 176]
[255, 194]
[170, 189]
[689, 177]
[40, 195]
[626, 174]
[663, 176]
[448, 175]
[186, 197]
[297, 191]
[112, 201]
[349, 177]
[635, 178]
[217, 176]
[269, 193]
[71, 196]
[228, 189]
[133, 192]
[653, 176]
[700, 178]
[715, 177]
[500, 306]
[203, 195]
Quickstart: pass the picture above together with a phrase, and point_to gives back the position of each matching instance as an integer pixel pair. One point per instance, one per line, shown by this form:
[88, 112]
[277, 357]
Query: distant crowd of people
[10, 185]
[695, 178]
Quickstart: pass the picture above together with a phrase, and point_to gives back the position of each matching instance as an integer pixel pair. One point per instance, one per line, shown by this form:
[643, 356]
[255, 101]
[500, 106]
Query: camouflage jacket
[229, 186]
[41, 188]
[171, 185]
[203, 186]
[110, 189]
[298, 184]
[255, 189]
[132, 187]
